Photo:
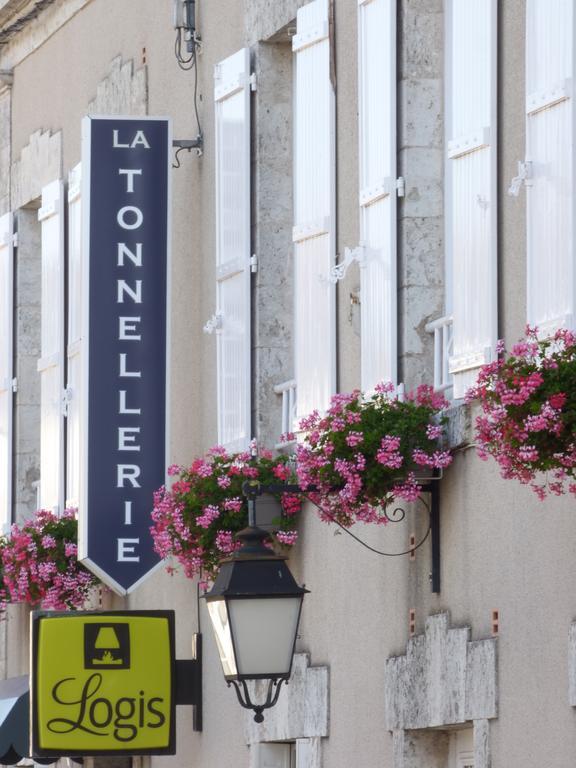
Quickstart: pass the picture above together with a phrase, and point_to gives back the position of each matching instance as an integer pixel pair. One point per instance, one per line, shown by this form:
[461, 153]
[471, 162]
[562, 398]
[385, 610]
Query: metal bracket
[524, 176]
[213, 324]
[400, 186]
[254, 263]
[338, 272]
[188, 681]
[67, 396]
[433, 488]
[196, 144]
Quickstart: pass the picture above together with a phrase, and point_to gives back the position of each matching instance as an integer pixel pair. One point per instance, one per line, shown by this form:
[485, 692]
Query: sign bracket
[188, 679]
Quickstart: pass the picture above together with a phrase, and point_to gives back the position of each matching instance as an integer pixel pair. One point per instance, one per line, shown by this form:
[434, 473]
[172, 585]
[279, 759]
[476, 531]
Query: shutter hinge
[213, 324]
[252, 81]
[524, 175]
[67, 396]
[15, 239]
[254, 263]
[400, 186]
[14, 384]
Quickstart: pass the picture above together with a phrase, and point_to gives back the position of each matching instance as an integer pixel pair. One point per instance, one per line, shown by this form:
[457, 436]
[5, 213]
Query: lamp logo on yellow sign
[102, 683]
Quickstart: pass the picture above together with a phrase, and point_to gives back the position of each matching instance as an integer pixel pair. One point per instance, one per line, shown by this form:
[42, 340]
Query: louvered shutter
[471, 186]
[549, 140]
[73, 384]
[232, 119]
[271, 755]
[51, 363]
[377, 135]
[6, 369]
[314, 196]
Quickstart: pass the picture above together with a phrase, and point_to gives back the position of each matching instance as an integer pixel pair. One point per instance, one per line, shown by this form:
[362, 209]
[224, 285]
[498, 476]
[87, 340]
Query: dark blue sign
[125, 169]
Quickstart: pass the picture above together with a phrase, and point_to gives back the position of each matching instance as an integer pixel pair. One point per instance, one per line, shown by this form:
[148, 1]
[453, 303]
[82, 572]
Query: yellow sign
[103, 683]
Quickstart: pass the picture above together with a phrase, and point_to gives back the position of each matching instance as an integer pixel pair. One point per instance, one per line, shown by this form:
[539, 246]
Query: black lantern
[254, 607]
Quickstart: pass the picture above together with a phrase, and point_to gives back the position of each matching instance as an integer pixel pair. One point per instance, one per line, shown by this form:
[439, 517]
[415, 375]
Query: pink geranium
[528, 418]
[195, 520]
[362, 454]
[40, 564]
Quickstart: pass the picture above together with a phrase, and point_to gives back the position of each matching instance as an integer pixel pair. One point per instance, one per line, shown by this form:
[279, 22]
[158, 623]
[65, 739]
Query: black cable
[196, 91]
[184, 62]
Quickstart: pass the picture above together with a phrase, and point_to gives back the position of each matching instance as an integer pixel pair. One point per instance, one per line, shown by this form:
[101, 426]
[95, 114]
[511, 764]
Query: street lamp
[254, 607]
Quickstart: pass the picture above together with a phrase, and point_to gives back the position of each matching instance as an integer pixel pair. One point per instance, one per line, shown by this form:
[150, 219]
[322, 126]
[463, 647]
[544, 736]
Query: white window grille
[288, 392]
[442, 330]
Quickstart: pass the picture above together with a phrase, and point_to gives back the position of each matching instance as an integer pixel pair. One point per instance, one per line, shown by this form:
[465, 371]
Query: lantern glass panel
[264, 631]
[219, 617]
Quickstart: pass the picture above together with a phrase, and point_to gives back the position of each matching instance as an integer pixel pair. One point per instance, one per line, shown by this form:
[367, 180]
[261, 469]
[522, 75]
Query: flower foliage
[365, 451]
[196, 518]
[528, 418]
[40, 564]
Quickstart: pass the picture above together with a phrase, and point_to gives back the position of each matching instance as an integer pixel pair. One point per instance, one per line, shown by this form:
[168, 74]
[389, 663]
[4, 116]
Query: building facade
[384, 189]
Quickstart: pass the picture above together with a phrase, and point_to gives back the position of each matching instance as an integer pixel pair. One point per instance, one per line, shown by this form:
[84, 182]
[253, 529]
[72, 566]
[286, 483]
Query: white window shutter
[232, 122]
[6, 369]
[314, 200]
[377, 137]
[73, 384]
[471, 186]
[51, 363]
[549, 148]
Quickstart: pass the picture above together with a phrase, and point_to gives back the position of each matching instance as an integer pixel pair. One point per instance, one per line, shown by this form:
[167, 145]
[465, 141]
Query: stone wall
[273, 214]
[27, 351]
[420, 162]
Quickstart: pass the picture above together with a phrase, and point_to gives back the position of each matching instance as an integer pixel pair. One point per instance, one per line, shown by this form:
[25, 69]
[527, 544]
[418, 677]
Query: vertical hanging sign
[125, 167]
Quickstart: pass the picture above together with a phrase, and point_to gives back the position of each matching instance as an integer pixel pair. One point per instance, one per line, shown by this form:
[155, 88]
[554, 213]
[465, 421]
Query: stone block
[28, 330]
[27, 428]
[301, 711]
[443, 679]
[26, 485]
[264, 18]
[123, 92]
[422, 257]
[421, 104]
[28, 380]
[40, 162]
[423, 36]
[458, 429]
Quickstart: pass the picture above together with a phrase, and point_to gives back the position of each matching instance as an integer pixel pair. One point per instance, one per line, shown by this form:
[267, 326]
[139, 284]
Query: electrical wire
[187, 64]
